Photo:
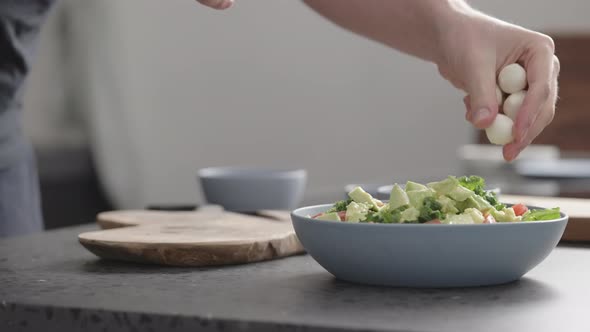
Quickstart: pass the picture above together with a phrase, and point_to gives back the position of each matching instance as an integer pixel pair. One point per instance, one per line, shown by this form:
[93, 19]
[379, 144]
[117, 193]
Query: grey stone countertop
[48, 282]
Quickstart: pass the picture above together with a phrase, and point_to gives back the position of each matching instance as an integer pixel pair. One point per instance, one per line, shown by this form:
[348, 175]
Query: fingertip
[227, 4]
[483, 118]
[508, 153]
[512, 150]
[508, 157]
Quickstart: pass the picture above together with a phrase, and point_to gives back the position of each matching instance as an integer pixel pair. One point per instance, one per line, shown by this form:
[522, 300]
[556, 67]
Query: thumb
[481, 86]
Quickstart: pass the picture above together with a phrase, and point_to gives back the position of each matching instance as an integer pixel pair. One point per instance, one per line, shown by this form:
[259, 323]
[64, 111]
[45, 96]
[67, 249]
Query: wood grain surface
[195, 238]
[578, 210]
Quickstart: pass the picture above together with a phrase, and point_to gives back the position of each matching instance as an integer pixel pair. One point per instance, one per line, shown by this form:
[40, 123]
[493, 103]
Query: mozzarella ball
[500, 132]
[512, 78]
[499, 96]
[513, 103]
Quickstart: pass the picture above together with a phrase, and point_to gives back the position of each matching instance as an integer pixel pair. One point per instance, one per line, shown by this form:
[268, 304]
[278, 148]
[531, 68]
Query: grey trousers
[20, 204]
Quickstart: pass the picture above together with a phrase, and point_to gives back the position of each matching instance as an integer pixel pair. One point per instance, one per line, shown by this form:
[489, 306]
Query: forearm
[410, 26]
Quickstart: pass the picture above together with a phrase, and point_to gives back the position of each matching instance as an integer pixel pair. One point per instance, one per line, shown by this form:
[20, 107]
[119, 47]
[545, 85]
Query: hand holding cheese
[469, 49]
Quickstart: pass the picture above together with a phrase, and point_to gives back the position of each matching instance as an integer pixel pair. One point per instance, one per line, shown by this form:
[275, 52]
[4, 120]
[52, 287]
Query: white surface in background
[174, 87]
[284, 89]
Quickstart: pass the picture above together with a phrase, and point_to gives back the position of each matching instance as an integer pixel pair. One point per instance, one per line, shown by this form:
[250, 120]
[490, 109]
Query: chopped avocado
[460, 193]
[410, 214]
[475, 215]
[448, 205]
[360, 196]
[331, 216]
[417, 196]
[505, 215]
[461, 206]
[458, 219]
[377, 204]
[479, 203]
[445, 186]
[470, 216]
[398, 197]
[357, 212]
[451, 187]
[414, 186]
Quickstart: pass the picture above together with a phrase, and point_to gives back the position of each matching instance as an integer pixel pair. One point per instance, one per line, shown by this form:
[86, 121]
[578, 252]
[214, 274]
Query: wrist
[447, 15]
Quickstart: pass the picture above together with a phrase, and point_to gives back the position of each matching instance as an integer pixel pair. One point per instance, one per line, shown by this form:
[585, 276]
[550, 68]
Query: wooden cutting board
[578, 210]
[126, 218]
[195, 238]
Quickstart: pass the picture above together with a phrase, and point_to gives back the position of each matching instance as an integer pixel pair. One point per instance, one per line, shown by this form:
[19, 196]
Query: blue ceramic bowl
[426, 255]
[249, 189]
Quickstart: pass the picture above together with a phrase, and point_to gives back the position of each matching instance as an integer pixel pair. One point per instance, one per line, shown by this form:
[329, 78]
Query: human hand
[475, 47]
[217, 4]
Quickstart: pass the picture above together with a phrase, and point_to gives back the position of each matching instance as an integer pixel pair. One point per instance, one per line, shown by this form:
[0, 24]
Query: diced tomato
[520, 209]
[318, 215]
[489, 219]
[342, 215]
[433, 221]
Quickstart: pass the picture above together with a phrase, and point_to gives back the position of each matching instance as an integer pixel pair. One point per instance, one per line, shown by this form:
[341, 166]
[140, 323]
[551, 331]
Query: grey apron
[20, 22]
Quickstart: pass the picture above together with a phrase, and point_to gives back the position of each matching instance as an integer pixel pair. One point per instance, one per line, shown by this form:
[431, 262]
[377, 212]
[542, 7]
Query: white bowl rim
[297, 213]
[252, 172]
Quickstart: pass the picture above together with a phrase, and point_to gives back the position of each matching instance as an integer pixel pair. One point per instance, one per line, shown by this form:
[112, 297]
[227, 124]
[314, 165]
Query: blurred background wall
[129, 98]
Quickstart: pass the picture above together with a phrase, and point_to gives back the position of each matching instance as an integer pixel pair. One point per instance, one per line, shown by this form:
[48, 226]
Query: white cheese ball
[513, 103]
[512, 78]
[499, 96]
[500, 132]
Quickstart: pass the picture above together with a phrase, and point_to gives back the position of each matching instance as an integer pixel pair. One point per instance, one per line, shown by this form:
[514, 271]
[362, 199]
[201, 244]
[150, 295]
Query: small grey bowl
[426, 255]
[249, 189]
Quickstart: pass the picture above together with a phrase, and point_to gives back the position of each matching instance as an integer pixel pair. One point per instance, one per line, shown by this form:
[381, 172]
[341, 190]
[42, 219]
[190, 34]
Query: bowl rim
[297, 213]
[249, 172]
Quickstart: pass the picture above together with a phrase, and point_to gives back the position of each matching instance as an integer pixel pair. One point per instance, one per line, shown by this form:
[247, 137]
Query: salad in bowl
[462, 200]
[429, 235]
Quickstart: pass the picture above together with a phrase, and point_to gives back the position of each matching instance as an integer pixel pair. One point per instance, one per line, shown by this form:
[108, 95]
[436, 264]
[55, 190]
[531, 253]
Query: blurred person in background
[467, 46]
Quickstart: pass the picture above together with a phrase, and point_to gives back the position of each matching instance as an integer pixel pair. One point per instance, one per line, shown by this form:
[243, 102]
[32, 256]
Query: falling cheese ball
[500, 132]
[513, 103]
[512, 78]
[499, 96]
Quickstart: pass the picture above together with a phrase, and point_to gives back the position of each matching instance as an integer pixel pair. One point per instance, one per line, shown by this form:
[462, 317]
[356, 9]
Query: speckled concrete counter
[48, 282]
